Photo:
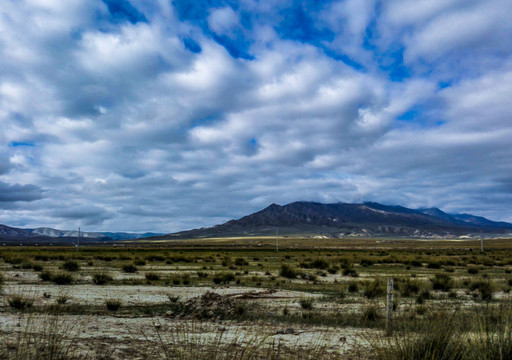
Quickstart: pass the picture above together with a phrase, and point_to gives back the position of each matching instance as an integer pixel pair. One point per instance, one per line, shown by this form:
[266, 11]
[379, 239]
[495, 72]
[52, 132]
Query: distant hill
[350, 220]
[10, 232]
[48, 235]
[96, 235]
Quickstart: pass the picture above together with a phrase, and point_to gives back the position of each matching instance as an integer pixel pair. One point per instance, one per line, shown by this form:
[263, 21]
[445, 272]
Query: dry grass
[50, 339]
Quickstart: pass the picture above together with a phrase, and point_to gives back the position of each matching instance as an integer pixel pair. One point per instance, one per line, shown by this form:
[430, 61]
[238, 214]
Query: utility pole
[481, 241]
[77, 245]
[277, 239]
[389, 309]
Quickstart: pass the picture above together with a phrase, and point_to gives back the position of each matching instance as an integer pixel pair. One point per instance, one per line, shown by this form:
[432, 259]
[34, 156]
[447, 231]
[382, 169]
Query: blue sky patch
[298, 25]
[444, 84]
[199, 10]
[192, 46]
[123, 10]
[411, 114]
[345, 59]
[392, 63]
[236, 48]
[22, 144]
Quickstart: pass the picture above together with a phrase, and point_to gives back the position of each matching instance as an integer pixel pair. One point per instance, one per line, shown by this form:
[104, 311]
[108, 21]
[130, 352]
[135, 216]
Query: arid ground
[242, 299]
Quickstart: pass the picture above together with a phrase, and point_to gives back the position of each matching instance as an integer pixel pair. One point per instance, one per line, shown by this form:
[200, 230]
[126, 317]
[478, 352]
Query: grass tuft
[101, 278]
[113, 304]
[287, 272]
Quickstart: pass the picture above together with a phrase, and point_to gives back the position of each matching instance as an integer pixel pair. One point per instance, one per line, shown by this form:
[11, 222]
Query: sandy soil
[89, 294]
[130, 338]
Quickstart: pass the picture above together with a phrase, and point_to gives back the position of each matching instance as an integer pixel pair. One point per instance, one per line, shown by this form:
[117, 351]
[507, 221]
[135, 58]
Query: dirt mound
[211, 305]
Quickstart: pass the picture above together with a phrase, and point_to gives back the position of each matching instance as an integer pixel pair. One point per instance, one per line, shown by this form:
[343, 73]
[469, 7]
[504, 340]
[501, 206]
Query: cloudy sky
[167, 115]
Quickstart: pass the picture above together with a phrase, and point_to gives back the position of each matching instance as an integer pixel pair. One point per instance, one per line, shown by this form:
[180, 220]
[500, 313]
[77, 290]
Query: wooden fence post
[389, 309]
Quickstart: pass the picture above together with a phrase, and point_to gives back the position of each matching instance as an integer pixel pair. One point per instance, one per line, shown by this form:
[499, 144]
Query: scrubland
[241, 299]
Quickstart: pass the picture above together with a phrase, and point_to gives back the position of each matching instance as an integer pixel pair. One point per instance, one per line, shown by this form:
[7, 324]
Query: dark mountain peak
[433, 211]
[373, 204]
[272, 206]
[306, 218]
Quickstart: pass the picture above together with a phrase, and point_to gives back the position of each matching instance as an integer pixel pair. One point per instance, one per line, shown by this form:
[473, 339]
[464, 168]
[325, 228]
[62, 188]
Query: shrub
[70, 265]
[45, 276]
[442, 282]
[308, 276]
[366, 262]
[27, 265]
[155, 258]
[105, 258]
[350, 272]
[422, 296]
[319, 264]
[62, 279]
[226, 261]
[223, 278]
[101, 278]
[486, 289]
[151, 276]
[140, 262]
[375, 288]
[241, 262]
[130, 268]
[113, 304]
[473, 270]
[353, 287]
[37, 267]
[20, 302]
[287, 271]
[186, 279]
[333, 270]
[306, 303]
[14, 260]
[434, 265]
[371, 313]
[409, 287]
[202, 274]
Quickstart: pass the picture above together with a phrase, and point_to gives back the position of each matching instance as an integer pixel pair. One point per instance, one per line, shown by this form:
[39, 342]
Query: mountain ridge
[42, 233]
[350, 219]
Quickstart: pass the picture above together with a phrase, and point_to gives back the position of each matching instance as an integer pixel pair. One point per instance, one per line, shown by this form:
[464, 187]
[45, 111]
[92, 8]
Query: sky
[137, 115]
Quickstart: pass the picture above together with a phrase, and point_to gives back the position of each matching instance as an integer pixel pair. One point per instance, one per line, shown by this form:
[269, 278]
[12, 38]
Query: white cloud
[122, 121]
[223, 21]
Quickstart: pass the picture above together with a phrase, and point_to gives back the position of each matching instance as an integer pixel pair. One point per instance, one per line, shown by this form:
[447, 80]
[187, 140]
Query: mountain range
[337, 220]
[301, 218]
[47, 235]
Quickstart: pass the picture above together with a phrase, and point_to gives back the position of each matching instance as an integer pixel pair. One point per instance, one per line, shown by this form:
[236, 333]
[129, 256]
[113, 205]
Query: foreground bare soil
[244, 303]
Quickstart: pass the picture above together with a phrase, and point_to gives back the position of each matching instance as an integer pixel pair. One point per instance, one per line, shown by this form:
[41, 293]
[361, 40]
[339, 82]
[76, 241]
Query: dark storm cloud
[87, 214]
[12, 193]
